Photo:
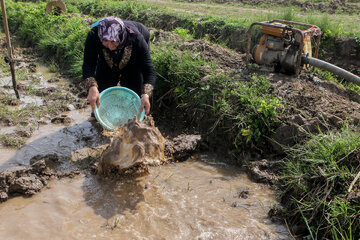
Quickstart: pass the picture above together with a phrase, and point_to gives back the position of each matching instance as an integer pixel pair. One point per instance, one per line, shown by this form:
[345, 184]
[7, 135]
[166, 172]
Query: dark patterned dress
[129, 67]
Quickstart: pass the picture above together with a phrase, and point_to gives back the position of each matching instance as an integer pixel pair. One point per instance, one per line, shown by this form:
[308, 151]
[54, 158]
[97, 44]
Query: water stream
[195, 199]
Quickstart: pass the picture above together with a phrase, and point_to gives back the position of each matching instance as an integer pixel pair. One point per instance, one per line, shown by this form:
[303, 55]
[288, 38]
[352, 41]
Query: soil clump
[27, 181]
[137, 145]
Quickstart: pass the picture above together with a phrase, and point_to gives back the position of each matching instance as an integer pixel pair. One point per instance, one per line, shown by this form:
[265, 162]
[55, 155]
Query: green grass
[316, 180]
[246, 110]
[10, 141]
[258, 13]
[57, 38]
[183, 33]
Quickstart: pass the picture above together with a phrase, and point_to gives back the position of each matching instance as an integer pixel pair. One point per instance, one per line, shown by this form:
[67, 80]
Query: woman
[117, 53]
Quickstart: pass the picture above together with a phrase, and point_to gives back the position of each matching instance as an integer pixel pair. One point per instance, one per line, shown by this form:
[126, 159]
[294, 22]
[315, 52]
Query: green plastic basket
[117, 106]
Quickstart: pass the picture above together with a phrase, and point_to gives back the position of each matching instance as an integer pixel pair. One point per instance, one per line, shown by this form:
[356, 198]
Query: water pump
[288, 49]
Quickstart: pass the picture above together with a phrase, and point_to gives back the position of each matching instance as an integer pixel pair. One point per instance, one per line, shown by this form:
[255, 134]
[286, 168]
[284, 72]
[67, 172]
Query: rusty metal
[10, 52]
[312, 30]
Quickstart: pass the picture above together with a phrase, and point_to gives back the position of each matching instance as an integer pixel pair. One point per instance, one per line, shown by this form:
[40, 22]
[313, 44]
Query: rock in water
[133, 146]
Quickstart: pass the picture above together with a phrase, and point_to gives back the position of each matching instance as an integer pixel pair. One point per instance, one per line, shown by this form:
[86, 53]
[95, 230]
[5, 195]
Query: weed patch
[317, 177]
[245, 110]
[10, 141]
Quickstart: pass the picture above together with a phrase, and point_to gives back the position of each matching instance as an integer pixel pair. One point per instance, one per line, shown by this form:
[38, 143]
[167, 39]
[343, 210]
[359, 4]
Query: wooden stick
[11, 62]
[353, 182]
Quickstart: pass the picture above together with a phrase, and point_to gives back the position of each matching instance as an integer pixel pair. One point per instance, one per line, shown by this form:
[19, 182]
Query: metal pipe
[331, 68]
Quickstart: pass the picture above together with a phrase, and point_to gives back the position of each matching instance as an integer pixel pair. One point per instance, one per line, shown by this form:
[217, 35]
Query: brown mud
[56, 170]
[137, 145]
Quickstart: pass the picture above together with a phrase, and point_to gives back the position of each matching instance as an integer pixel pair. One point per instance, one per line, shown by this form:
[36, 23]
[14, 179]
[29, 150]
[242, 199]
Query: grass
[245, 110]
[254, 14]
[183, 33]
[220, 23]
[316, 180]
[9, 141]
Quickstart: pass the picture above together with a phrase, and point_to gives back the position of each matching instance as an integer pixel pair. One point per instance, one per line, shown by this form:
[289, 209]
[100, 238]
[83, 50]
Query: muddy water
[195, 199]
[200, 198]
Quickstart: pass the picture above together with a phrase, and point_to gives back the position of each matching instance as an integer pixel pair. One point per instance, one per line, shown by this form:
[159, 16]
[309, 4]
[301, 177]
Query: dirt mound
[135, 145]
[138, 145]
[227, 59]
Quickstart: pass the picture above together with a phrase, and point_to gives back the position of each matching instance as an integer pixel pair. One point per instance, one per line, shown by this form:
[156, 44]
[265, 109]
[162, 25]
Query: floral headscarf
[112, 29]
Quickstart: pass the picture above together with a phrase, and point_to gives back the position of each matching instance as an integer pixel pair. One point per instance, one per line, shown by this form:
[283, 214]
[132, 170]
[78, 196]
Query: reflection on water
[195, 199]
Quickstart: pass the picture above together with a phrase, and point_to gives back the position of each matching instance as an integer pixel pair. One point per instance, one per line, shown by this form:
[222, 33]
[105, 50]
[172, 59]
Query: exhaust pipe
[331, 68]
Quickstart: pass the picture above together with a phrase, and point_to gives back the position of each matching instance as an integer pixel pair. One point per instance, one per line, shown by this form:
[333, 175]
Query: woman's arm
[91, 54]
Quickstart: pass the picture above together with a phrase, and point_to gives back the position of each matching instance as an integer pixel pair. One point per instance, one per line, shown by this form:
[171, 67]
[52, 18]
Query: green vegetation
[57, 38]
[10, 141]
[246, 110]
[183, 33]
[220, 23]
[317, 177]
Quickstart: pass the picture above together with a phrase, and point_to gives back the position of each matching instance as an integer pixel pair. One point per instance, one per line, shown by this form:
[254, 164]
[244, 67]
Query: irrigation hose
[331, 68]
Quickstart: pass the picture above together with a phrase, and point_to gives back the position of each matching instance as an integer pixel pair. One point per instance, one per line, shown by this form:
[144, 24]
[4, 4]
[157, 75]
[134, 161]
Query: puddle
[194, 199]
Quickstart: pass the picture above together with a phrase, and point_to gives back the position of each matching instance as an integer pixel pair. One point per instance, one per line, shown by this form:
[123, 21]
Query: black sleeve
[146, 64]
[91, 52]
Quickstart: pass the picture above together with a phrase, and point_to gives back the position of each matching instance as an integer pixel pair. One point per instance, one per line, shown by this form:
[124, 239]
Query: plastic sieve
[117, 106]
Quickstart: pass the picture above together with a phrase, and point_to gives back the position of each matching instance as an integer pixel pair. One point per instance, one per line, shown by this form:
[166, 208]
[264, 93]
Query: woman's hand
[145, 103]
[93, 97]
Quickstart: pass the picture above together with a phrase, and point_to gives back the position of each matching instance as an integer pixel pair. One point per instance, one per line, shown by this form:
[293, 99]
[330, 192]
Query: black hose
[331, 68]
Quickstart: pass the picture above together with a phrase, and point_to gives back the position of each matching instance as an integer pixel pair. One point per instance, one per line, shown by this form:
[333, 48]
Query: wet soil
[57, 169]
[137, 145]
